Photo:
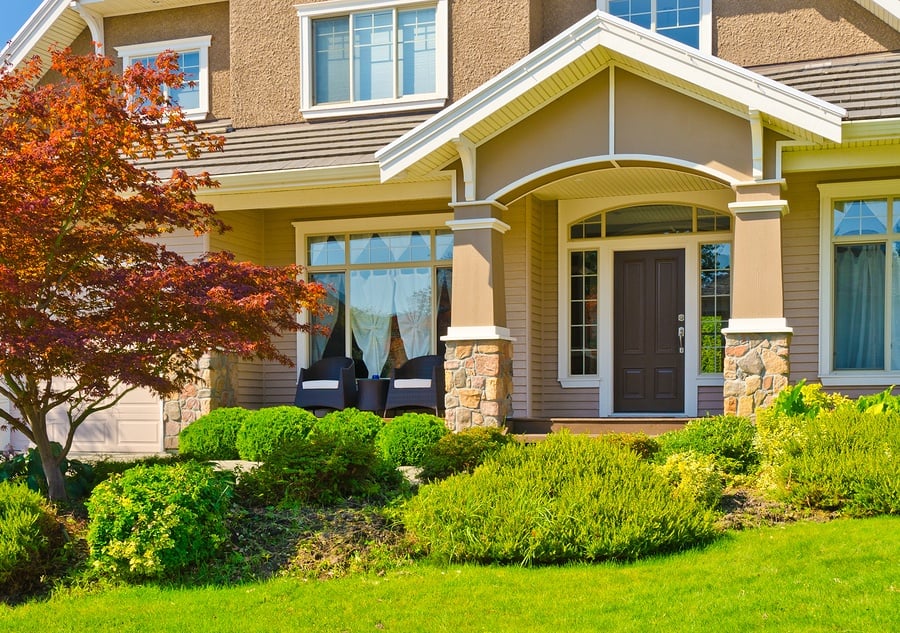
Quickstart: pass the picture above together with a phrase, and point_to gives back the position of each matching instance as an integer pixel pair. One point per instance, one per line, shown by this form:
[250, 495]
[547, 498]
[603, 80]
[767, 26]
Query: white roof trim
[600, 29]
[27, 37]
[886, 10]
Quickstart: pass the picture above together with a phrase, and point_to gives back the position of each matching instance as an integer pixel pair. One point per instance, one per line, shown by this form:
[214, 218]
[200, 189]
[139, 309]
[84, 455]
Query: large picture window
[389, 293]
[380, 56]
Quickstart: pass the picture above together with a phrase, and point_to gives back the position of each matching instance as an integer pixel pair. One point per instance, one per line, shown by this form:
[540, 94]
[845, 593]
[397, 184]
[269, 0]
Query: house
[593, 207]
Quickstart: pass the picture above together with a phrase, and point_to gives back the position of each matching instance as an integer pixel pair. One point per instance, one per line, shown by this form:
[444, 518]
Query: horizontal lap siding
[515, 247]
[710, 400]
[246, 241]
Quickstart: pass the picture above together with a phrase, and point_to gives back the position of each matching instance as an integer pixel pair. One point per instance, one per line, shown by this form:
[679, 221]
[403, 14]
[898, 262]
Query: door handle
[681, 339]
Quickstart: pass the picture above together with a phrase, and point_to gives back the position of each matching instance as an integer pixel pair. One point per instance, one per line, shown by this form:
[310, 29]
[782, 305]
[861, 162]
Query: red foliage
[86, 290]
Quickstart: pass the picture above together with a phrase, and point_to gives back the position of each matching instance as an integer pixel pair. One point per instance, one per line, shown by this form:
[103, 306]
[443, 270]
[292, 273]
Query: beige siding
[515, 256]
[709, 401]
[186, 244]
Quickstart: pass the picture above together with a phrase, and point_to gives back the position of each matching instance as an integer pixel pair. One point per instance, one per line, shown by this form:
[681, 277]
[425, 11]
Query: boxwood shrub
[363, 424]
[731, 439]
[29, 536]
[404, 440]
[265, 430]
[214, 435]
[154, 520]
[568, 498]
[461, 452]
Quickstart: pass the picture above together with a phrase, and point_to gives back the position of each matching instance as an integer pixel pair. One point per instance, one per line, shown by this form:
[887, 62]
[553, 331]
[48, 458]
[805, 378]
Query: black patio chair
[418, 383]
[327, 384]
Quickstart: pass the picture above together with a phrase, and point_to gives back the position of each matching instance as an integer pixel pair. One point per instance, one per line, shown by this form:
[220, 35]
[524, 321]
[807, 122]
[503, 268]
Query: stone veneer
[478, 376]
[757, 367]
[215, 387]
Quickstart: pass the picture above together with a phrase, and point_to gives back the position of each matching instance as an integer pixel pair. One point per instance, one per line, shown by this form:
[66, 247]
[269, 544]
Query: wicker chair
[327, 384]
[419, 383]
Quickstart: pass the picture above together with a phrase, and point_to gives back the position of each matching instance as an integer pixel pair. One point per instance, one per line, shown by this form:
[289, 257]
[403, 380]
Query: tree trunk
[56, 481]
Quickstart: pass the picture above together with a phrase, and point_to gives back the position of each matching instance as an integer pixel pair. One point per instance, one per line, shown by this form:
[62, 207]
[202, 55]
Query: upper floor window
[365, 57]
[687, 21]
[193, 60]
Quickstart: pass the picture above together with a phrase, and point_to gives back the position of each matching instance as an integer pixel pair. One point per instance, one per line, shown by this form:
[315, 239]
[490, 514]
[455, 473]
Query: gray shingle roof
[867, 86]
[295, 146]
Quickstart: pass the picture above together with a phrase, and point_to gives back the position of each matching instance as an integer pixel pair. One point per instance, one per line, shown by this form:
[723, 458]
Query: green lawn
[838, 576]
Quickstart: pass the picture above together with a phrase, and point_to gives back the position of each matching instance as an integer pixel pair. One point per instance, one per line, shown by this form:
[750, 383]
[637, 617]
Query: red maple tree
[92, 305]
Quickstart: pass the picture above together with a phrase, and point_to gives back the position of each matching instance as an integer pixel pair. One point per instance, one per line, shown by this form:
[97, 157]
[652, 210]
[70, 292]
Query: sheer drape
[371, 307]
[334, 297]
[412, 303]
[859, 306]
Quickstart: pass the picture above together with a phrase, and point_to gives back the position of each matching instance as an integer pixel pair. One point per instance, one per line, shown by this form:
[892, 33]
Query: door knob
[681, 339]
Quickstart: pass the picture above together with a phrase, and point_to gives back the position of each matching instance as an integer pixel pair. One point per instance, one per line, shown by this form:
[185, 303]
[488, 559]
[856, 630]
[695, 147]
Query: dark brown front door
[648, 352]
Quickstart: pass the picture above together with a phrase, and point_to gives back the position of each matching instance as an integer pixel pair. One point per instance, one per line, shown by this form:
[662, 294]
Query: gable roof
[867, 86]
[591, 45]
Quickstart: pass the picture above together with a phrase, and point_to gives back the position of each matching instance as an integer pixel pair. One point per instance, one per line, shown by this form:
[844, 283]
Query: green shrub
[461, 452]
[363, 424]
[569, 497]
[27, 468]
[29, 534]
[214, 435]
[640, 444]
[695, 476]
[731, 439]
[265, 430]
[324, 468]
[404, 440]
[879, 402]
[154, 520]
[840, 460]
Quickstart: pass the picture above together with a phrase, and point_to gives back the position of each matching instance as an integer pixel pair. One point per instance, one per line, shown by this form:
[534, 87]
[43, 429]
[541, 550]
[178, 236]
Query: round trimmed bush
[695, 476]
[461, 452]
[265, 430]
[154, 520]
[362, 424]
[324, 468]
[568, 498]
[213, 436]
[29, 532]
[404, 440]
[731, 439]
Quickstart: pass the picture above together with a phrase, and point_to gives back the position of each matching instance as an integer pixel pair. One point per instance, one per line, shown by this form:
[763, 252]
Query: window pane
[715, 304]
[417, 62]
[326, 250]
[708, 221]
[373, 56]
[369, 248]
[895, 307]
[859, 306]
[583, 313]
[650, 219]
[860, 217]
[331, 41]
[328, 336]
[896, 216]
[188, 97]
[444, 295]
[443, 242]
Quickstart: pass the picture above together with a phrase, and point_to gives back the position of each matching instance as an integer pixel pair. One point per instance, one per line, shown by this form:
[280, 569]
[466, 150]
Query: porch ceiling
[626, 182]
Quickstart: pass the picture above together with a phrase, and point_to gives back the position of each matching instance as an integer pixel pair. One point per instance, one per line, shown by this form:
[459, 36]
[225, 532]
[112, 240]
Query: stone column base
[214, 387]
[478, 376]
[757, 367]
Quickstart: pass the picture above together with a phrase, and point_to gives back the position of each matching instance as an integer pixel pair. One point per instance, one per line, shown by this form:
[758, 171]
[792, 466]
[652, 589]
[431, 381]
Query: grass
[837, 576]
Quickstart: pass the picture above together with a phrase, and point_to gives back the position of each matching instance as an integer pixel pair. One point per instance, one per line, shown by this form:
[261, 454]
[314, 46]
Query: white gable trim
[27, 37]
[819, 118]
[886, 10]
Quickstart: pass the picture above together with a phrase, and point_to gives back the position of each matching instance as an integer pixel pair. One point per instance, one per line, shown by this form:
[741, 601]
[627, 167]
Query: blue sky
[13, 14]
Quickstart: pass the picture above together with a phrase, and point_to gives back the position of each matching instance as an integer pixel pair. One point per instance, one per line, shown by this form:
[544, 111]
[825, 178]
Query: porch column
[757, 339]
[478, 362]
[214, 387]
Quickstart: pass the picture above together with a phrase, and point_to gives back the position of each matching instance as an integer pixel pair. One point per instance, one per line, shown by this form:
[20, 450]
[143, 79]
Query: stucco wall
[754, 32]
[158, 26]
[558, 15]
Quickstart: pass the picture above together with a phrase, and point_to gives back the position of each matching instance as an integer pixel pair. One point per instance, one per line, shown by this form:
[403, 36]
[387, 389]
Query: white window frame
[705, 22]
[572, 211]
[309, 228]
[337, 8]
[185, 45]
[829, 193]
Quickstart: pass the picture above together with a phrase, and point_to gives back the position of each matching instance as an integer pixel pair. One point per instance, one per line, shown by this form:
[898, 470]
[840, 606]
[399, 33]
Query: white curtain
[371, 308]
[412, 303]
[859, 306]
[895, 308]
[334, 297]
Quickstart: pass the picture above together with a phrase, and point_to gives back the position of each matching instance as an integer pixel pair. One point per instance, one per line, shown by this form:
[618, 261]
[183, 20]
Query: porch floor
[536, 429]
